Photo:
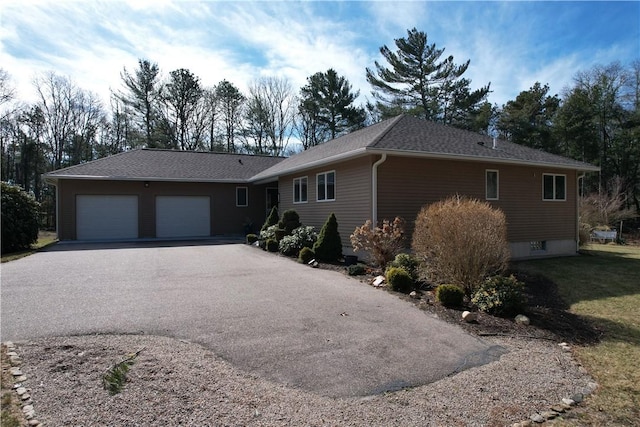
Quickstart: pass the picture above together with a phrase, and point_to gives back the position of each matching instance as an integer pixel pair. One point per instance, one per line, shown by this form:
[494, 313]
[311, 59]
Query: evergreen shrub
[450, 295]
[20, 219]
[328, 248]
[399, 280]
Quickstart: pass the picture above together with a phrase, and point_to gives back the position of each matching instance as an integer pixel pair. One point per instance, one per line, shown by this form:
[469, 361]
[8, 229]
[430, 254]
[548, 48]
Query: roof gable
[170, 165]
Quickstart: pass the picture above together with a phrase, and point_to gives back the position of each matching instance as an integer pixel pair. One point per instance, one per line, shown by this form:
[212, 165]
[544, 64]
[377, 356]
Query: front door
[272, 198]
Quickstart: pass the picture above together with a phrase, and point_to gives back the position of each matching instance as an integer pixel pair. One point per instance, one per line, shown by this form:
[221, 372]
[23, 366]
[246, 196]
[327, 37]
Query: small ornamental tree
[461, 241]
[383, 243]
[20, 219]
[272, 219]
[328, 248]
[289, 222]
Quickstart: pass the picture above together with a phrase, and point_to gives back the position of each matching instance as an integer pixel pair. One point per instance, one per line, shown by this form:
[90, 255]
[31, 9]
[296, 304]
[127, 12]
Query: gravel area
[174, 382]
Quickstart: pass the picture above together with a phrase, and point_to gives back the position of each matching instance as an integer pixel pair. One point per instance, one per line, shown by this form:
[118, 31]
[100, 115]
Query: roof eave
[52, 179]
[410, 153]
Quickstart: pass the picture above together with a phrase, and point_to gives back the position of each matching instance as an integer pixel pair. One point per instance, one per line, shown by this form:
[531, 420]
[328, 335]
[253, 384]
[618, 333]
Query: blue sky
[510, 44]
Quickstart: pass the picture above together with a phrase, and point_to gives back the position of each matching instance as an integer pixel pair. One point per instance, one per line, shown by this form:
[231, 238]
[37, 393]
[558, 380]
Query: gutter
[374, 189]
[580, 177]
[53, 179]
[408, 153]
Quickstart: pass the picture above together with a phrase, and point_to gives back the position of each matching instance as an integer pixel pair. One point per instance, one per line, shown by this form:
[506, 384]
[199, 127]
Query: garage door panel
[106, 217]
[183, 216]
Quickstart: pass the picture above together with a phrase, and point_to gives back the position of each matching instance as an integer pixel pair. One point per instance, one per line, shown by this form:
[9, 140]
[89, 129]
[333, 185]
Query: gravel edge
[176, 382]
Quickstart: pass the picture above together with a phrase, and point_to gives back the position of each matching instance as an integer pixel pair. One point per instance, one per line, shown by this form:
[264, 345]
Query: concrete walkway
[314, 329]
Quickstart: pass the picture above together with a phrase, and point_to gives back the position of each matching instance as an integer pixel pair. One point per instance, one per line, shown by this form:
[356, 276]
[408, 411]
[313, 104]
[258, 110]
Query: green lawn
[45, 238]
[603, 285]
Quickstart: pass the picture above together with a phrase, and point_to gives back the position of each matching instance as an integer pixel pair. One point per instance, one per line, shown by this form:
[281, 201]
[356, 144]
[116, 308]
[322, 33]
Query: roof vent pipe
[495, 144]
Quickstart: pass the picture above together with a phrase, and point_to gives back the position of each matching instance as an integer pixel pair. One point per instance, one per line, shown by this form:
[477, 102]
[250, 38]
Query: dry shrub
[383, 243]
[461, 241]
[606, 208]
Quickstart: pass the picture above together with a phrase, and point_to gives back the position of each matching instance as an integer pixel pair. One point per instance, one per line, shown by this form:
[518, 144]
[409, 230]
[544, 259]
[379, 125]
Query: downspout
[580, 177]
[374, 189]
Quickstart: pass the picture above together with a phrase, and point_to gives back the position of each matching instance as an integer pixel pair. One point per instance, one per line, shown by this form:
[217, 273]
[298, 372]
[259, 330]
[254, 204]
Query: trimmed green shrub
[306, 255]
[461, 241]
[272, 245]
[408, 262]
[272, 219]
[20, 219]
[356, 270]
[328, 248]
[500, 295]
[303, 236]
[252, 238]
[399, 280]
[290, 221]
[450, 295]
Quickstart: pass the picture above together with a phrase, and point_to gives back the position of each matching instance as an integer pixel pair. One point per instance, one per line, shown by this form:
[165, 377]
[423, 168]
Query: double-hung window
[300, 190]
[491, 184]
[326, 186]
[554, 187]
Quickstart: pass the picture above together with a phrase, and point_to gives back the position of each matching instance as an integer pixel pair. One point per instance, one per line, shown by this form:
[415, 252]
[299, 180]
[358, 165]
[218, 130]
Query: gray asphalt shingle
[151, 164]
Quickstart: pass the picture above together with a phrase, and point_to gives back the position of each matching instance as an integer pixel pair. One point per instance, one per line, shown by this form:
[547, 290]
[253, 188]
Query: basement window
[538, 245]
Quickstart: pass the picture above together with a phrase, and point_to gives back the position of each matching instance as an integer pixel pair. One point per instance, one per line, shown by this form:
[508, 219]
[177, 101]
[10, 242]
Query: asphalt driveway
[314, 329]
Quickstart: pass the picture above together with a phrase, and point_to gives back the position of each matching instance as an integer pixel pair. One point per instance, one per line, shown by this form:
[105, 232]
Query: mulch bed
[548, 313]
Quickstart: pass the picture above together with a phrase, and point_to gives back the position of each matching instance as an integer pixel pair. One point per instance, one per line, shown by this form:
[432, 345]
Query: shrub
[272, 219]
[356, 270]
[399, 280]
[461, 241]
[290, 221]
[500, 295]
[382, 243]
[408, 262]
[306, 255]
[272, 245]
[328, 248]
[20, 223]
[450, 295]
[252, 238]
[303, 236]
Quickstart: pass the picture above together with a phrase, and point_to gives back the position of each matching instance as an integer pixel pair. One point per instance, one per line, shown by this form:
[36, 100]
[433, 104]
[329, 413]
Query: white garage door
[183, 216]
[106, 217]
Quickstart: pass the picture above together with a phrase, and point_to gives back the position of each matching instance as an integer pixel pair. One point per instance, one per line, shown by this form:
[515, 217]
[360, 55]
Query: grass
[45, 238]
[603, 286]
[10, 413]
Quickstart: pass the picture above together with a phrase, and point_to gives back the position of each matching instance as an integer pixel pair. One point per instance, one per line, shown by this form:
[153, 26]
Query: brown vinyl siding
[406, 184]
[226, 218]
[352, 204]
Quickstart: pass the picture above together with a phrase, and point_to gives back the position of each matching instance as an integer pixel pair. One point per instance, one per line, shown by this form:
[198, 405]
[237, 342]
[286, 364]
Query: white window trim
[335, 187]
[246, 189]
[486, 184]
[554, 175]
[300, 178]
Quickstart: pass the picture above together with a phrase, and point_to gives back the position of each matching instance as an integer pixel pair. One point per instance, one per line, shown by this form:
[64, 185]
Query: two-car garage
[116, 217]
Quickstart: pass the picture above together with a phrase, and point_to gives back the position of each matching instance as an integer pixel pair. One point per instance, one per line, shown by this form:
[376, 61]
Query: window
[554, 187]
[326, 186]
[538, 245]
[491, 184]
[300, 190]
[242, 197]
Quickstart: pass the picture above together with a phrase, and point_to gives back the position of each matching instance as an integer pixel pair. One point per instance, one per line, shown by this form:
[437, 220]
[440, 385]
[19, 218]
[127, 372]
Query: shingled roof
[169, 165]
[410, 136]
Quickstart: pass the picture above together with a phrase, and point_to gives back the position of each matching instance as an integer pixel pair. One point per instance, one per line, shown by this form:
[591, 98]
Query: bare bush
[383, 243]
[461, 241]
[606, 208]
